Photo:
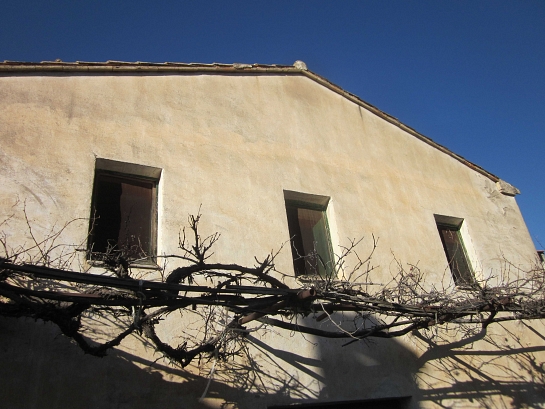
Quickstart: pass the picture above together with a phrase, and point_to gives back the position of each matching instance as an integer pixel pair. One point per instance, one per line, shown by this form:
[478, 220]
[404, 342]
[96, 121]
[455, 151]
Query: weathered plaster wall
[233, 143]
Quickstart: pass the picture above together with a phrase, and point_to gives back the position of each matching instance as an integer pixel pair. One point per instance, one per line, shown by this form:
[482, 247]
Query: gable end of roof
[298, 68]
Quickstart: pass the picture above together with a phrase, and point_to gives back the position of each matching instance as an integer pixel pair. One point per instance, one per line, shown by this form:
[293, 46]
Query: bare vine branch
[217, 301]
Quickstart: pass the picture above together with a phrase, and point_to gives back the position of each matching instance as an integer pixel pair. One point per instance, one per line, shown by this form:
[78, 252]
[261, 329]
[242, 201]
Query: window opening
[456, 253]
[381, 403]
[310, 239]
[541, 256]
[123, 217]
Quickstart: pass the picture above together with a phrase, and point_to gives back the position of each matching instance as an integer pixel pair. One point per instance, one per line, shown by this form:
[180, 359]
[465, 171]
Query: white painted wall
[233, 143]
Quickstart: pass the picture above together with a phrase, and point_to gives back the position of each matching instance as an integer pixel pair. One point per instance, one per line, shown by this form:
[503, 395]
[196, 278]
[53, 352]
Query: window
[449, 231]
[309, 232]
[541, 256]
[123, 211]
[383, 403]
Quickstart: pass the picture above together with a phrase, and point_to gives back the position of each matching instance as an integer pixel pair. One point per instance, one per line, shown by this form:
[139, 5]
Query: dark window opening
[541, 256]
[310, 239]
[456, 254]
[123, 217]
[384, 403]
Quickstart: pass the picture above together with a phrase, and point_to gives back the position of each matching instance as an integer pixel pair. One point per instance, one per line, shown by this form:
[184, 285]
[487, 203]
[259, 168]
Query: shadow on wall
[502, 367]
[362, 374]
[40, 369]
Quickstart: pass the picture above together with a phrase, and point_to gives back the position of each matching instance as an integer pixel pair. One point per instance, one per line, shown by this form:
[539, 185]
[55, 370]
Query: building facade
[267, 153]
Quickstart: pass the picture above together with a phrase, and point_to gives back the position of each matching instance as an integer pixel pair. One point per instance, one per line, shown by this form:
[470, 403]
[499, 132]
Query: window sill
[143, 265]
[308, 278]
[468, 287]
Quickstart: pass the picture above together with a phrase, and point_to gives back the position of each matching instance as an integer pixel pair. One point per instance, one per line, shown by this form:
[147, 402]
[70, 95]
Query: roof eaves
[120, 66]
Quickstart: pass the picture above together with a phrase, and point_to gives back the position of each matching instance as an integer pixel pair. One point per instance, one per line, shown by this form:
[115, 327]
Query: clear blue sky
[468, 74]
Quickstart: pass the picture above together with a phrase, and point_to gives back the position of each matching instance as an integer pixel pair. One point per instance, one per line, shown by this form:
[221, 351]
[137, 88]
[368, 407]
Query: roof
[298, 68]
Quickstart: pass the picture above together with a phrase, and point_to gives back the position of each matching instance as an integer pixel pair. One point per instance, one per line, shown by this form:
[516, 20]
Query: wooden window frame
[301, 264]
[462, 274]
[147, 175]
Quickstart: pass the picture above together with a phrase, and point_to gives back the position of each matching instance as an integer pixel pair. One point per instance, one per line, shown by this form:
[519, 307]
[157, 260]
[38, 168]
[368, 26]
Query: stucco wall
[233, 143]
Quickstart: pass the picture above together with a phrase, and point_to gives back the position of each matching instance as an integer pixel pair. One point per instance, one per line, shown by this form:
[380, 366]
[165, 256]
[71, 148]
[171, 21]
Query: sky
[468, 74]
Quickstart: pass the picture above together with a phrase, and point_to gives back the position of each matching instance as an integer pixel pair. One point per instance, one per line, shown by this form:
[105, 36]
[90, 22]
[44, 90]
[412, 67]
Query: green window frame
[310, 238]
[456, 254]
